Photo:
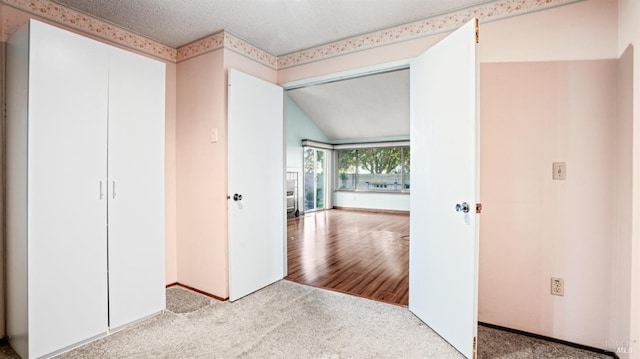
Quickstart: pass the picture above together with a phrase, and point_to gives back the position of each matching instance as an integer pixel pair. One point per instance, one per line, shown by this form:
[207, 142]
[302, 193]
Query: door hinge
[477, 31]
[478, 208]
[475, 347]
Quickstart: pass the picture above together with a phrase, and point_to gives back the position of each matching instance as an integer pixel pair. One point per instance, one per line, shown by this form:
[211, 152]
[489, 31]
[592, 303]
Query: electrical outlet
[557, 286]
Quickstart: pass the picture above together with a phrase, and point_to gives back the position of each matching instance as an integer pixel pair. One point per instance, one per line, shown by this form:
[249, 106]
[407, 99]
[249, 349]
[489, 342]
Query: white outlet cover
[557, 286]
[214, 135]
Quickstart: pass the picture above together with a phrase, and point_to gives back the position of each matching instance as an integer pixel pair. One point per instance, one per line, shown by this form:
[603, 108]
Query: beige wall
[629, 34]
[532, 227]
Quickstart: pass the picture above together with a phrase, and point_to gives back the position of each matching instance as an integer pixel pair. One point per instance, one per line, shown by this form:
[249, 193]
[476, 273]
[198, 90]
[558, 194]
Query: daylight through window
[386, 169]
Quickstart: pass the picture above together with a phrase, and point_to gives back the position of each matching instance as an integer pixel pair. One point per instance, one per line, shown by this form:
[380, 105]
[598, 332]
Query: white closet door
[67, 262]
[136, 187]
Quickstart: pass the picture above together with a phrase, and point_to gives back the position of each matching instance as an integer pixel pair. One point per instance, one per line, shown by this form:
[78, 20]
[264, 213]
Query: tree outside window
[383, 169]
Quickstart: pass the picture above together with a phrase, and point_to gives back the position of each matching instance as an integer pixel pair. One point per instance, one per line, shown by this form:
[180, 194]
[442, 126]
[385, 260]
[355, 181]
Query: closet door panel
[66, 165]
[136, 187]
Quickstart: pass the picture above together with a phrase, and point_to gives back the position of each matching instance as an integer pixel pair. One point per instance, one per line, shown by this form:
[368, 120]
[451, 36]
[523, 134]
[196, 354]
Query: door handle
[101, 191]
[237, 197]
[113, 193]
[462, 207]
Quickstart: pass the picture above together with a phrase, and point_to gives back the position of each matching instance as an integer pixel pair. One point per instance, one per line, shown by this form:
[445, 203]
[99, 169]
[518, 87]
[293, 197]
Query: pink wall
[580, 31]
[580, 240]
[532, 227]
[239, 62]
[201, 174]
[196, 206]
[202, 249]
[629, 33]
[622, 215]
[357, 60]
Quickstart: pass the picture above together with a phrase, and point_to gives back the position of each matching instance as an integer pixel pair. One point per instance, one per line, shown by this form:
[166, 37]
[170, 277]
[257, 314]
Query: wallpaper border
[492, 11]
[73, 19]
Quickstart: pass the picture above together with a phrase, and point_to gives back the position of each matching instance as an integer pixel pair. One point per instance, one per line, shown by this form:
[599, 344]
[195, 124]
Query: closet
[85, 189]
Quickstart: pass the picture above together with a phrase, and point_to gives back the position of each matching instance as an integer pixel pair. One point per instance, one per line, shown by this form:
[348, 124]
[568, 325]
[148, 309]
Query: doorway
[443, 120]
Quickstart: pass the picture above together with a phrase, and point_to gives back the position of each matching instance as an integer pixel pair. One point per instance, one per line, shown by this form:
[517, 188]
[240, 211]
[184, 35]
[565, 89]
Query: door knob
[462, 207]
[237, 197]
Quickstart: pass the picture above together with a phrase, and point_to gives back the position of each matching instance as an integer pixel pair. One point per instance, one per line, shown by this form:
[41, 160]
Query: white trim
[344, 75]
[342, 146]
[316, 144]
[371, 145]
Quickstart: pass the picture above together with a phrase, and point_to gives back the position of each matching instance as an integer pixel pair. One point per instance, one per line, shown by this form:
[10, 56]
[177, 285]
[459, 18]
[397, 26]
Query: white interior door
[256, 207]
[443, 257]
[136, 187]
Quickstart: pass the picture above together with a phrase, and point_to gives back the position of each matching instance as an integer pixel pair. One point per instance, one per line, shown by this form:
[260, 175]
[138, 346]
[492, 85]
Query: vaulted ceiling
[366, 107]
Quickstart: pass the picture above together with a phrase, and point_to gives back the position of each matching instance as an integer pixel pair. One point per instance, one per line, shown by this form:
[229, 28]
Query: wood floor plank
[360, 253]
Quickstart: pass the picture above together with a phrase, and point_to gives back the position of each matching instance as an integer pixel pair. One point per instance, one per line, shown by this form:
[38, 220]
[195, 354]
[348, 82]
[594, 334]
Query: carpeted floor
[288, 320]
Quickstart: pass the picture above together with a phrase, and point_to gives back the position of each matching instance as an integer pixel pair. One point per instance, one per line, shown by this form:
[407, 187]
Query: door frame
[348, 74]
[387, 67]
[343, 75]
[317, 80]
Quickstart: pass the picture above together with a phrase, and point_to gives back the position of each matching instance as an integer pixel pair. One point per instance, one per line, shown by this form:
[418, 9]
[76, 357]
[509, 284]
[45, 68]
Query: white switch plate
[559, 170]
[214, 135]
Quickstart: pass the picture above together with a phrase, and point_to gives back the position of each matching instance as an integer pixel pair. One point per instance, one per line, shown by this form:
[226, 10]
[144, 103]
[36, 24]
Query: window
[347, 169]
[385, 169]
[314, 178]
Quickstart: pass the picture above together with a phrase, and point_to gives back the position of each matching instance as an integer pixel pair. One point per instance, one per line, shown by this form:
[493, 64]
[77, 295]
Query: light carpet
[289, 320]
[284, 320]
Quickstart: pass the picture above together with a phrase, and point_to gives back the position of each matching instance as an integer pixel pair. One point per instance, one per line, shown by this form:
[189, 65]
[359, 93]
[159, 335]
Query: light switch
[214, 135]
[559, 170]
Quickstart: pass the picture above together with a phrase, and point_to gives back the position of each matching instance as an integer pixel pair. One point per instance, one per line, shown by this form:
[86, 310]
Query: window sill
[371, 191]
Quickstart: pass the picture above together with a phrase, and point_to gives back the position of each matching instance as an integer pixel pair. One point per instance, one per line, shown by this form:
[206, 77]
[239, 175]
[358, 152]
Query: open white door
[256, 205]
[443, 254]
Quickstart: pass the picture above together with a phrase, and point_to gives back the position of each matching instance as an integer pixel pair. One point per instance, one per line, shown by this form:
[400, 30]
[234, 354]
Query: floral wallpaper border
[202, 46]
[488, 12]
[76, 20]
[229, 41]
[244, 48]
[495, 10]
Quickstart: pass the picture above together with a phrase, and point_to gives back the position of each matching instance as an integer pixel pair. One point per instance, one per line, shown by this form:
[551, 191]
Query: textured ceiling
[365, 107]
[276, 26]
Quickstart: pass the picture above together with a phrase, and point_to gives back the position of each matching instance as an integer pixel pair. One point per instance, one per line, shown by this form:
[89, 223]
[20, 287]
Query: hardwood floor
[359, 253]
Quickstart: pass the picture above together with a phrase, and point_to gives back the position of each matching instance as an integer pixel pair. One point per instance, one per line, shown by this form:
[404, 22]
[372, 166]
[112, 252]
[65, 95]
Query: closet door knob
[237, 197]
